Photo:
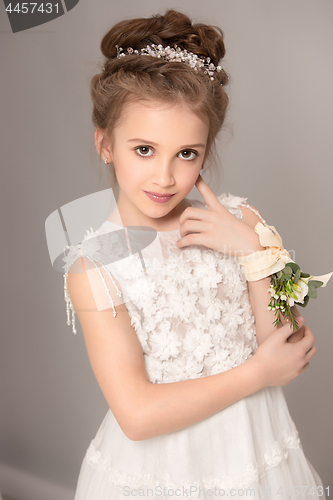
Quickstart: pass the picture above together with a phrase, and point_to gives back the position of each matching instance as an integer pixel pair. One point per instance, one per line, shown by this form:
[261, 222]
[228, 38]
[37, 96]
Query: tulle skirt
[250, 449]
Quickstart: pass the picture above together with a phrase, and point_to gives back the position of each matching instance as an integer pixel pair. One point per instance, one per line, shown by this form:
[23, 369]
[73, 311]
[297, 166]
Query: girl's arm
[144, 410]
[259, 296]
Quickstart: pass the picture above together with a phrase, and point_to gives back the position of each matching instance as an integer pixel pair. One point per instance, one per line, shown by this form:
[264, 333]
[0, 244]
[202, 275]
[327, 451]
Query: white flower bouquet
[290, 286]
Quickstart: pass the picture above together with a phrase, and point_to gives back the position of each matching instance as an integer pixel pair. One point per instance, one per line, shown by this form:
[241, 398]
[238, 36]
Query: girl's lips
[158, 198]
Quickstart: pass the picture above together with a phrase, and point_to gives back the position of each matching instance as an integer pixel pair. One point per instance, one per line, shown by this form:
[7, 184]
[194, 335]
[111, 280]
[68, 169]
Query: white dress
[191, 311]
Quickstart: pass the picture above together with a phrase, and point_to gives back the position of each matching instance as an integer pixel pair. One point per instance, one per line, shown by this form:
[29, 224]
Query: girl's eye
[144, 151]
[188, 154]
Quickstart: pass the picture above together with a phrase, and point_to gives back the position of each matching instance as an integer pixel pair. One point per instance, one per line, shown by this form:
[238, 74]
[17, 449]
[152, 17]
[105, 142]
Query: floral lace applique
[191, 312]
[252, 471]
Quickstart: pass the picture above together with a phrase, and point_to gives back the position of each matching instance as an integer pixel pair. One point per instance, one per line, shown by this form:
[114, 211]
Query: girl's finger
[308, 340]
[191, 239]
[193, 213]
[311, 353]
[207, 193]
[193, 226]
[285, 330]
[305, 367]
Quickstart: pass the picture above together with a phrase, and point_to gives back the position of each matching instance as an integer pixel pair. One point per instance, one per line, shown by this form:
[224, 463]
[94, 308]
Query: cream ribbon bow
[263, 263]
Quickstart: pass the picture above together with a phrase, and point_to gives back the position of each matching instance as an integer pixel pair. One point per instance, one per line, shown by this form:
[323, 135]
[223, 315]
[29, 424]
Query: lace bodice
[189, 306]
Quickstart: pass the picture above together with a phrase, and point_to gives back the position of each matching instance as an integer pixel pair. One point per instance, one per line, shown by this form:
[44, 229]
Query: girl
[183, 347]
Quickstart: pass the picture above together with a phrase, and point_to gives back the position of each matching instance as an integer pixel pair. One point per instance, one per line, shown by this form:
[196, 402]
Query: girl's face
[157, 149]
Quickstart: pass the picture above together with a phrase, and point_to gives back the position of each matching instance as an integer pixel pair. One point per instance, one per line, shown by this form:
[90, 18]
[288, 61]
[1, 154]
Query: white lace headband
[175, 54]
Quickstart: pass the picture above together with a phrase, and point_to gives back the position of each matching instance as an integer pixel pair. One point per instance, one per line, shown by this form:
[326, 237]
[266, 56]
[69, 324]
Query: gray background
[276, 149]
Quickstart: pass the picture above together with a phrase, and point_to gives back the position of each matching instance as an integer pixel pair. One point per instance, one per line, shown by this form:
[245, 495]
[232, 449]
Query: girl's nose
[163, 173]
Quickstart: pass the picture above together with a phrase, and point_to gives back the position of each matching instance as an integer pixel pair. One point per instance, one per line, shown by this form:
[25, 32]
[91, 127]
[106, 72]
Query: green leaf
[294, 323]
[297, 275]
[312, 292]
[315, 283]
[287, 271]
[279, 275]
[305, 275]
[295, 267]
[305, 303]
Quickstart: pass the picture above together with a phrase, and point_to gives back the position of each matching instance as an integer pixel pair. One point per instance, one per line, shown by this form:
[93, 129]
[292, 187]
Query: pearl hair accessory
[173, 54]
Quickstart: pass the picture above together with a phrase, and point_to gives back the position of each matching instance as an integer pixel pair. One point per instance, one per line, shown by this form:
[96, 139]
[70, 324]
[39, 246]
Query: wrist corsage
[289, 285]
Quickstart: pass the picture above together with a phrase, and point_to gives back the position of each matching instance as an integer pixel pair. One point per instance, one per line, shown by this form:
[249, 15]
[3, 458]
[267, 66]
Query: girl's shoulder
[229, 201]
[90, 247]
[97, 250]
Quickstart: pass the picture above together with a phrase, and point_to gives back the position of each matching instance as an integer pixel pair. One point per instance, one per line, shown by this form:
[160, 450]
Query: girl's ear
[102, 145]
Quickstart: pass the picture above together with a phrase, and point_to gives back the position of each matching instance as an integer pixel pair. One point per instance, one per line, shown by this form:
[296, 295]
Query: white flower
[135, 318]
[149, 323]
[164, 343]
[89, 235]
[187, 307]
[192, 254]
[192, 286]
[201, 321]
[209, 259]
[300, 289]
[198, 343]
[232, 314]
[165, 326]
[218, 333]
[232, 280]
[184, 273]
[183, 368]
[213, 312]
[153, 368]
[72, 253]
[161, 301]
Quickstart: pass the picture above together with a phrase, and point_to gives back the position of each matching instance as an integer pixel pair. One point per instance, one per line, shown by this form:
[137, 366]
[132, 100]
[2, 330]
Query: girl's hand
[281, 361]
[297, 334]
[216, 227]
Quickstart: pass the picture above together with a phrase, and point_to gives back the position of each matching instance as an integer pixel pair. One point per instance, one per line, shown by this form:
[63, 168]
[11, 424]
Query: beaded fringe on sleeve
[92, 252]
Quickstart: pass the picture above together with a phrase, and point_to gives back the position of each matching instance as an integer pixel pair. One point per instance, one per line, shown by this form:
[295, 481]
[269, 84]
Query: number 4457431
[304, 490]
[31, 7]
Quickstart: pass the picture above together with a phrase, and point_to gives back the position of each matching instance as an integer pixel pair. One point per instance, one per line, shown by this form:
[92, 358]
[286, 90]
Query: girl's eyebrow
[143, 141]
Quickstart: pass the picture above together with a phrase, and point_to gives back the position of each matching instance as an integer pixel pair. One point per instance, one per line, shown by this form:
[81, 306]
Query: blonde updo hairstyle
[136, 78]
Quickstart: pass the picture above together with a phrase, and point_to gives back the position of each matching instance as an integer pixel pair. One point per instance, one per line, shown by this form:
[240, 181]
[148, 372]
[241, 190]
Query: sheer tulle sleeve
[93, 251]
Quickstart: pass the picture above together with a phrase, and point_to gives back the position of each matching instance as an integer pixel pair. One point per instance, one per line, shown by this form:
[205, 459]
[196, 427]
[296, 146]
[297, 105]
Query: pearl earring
[106, 161]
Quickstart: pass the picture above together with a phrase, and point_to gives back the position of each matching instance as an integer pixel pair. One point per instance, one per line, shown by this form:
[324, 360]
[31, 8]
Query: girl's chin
[159, 211]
